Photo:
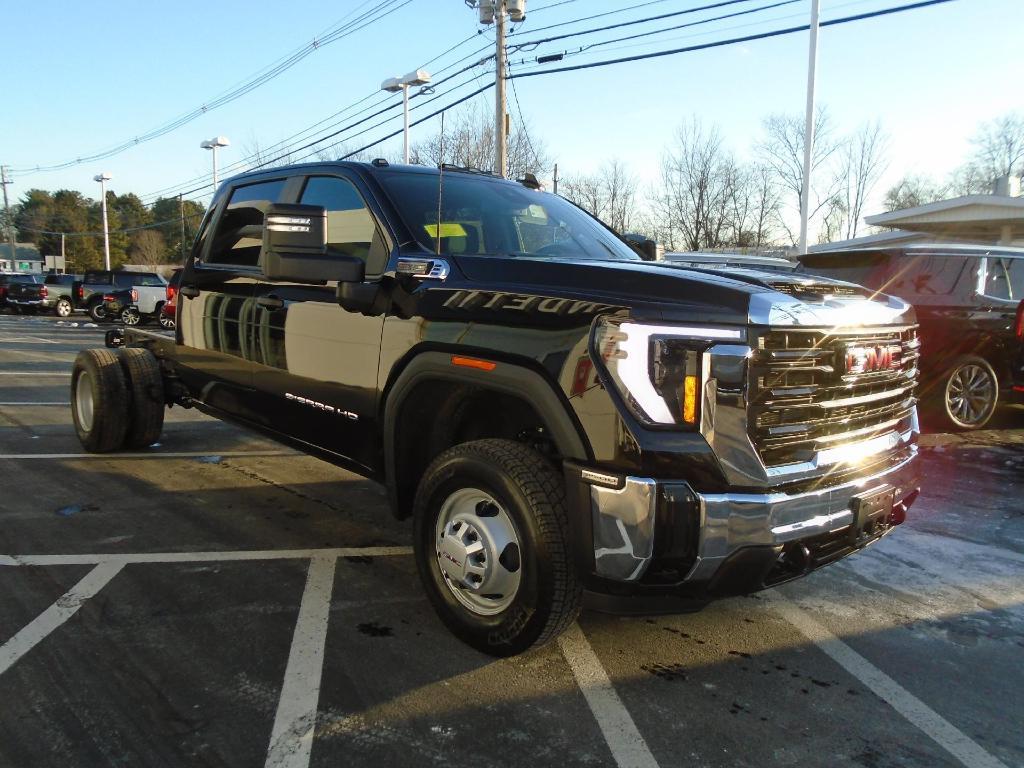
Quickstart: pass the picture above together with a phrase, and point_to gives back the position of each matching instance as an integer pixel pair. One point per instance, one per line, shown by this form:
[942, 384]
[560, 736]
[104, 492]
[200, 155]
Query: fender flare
[507, 378]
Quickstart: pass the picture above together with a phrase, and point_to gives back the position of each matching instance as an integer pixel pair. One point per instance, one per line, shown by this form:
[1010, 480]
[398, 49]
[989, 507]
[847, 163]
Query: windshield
[484, 216]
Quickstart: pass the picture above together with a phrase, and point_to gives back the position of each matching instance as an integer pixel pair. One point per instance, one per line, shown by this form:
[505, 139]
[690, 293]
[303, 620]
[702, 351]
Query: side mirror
[295, 247]
[648, 249]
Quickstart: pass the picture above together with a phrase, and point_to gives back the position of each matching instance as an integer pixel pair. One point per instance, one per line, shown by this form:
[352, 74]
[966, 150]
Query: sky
[83, 77]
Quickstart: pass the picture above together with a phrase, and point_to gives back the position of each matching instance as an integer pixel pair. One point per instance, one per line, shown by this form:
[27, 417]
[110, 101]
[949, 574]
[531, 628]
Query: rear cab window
[868, 269]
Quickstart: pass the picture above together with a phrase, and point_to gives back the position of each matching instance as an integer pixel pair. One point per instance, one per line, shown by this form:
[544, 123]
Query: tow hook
[899, 510]
[114, 338]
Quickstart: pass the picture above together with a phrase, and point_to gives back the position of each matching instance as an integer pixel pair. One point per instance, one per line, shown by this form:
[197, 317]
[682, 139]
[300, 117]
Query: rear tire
[97, 312]
[131, 316]
[99, 400]
[146, 394]
[503, 495]
[63, 308]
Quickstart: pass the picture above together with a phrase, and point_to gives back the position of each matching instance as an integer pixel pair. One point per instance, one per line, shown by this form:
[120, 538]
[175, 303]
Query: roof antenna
[440, 188]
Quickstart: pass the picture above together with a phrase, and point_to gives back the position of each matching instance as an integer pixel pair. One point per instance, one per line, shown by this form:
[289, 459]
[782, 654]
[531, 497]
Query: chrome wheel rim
[970, 395]
[166, 322]
[83, 401]
[63, 308]
[130, 317]
[478, 551]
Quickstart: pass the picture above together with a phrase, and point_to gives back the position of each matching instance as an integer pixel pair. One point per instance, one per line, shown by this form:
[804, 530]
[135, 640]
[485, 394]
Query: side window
[1005, 279]
[925, 276]
[351, 228]
[151, 281]
[124, 279]
[239, 234]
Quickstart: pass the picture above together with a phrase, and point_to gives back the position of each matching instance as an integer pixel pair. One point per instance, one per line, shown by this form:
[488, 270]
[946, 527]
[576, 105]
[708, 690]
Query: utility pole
[181, 208]
[501, 118]
[555, 181]
[7, 215]
[812, 66]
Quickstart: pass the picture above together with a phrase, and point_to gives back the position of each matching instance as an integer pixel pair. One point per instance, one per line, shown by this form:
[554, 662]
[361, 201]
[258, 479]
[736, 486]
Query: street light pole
[216, 141]
[812, 66]
[103, 178]
[396, 84]
[7, 215]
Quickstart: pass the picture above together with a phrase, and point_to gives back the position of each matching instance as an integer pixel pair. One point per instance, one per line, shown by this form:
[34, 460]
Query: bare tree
[862, 160]
[999, 147]
[912, 191]
[782, 151]
[698, 178]
[469, 141]
[148, 247]
[610, 194]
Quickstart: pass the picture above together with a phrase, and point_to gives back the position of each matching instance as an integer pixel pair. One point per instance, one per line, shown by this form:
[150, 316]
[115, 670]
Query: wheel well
[437, 415]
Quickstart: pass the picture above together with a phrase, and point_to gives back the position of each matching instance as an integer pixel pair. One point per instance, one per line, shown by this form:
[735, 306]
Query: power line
[124, 230]
[283, 145]
[732, 41]
[375, 14]
[530, 44]
[598, 15]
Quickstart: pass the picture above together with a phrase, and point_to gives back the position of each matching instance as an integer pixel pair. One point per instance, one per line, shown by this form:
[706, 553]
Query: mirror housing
[648, 249]
[295, 247]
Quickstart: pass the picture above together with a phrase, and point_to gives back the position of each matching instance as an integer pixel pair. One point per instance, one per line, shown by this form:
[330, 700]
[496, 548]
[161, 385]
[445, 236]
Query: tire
[486, 496]
[131, 316]
[146, 397]
[167, 323]
[99, 400]
[64, 307]
[97, 312]
[969, 393]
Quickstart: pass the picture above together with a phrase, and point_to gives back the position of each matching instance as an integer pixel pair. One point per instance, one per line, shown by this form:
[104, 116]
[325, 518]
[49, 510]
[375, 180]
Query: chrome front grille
[812, 391]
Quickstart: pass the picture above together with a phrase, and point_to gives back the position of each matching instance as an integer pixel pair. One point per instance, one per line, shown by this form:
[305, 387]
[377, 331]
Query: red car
[168, 312]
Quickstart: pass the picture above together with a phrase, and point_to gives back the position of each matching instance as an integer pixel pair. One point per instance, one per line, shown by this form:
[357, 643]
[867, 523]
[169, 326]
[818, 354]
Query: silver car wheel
[83, 401]
[63, 308]
[478, 551]
[130, 316]
[970, 395]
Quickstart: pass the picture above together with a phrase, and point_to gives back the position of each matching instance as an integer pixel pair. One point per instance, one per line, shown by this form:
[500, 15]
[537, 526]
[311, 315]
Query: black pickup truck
[559, 417]
[52, 293]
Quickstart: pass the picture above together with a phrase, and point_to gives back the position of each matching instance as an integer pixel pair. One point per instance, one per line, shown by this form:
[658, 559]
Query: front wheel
[970, 393]
[97, 312]
[492, 546]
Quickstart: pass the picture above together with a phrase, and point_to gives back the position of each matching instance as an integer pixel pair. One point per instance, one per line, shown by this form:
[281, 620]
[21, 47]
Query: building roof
[879, 239]
[984, 218]
[24, 251]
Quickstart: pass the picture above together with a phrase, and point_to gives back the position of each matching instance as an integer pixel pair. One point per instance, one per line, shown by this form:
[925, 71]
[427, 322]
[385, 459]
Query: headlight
[657, 369]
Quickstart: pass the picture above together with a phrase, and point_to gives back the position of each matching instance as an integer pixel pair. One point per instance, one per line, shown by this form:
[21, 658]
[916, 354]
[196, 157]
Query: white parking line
[944, 733]
[63, 402]
[620, 732]
[291, 740]
[154, 455]
[27, 340]
[203, 557]
[28, 374]
[54, 616]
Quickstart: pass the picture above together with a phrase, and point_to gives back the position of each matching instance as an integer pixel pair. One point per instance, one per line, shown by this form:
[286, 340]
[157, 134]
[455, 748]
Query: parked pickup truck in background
[135, 305]
[89, 291]
[557, 415]
[9, 281]
[52, 294]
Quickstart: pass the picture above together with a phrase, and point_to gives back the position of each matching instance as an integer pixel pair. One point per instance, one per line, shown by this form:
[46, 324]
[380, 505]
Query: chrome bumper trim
[624, 528]
[732, 521]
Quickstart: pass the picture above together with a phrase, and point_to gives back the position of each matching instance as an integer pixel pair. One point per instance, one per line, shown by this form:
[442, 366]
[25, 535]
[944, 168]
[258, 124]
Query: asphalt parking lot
[222, 601]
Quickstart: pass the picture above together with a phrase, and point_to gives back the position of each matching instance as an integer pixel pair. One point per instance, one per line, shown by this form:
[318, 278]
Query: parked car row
[131, 297]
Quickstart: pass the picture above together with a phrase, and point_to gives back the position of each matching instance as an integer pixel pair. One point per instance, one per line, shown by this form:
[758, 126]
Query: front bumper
[656, 536]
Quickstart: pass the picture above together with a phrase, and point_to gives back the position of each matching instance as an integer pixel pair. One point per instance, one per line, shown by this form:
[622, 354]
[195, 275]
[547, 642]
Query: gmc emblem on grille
[858, 358]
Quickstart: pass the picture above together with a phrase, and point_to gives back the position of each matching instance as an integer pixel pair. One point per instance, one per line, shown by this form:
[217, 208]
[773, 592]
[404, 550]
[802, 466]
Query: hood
[669, 292]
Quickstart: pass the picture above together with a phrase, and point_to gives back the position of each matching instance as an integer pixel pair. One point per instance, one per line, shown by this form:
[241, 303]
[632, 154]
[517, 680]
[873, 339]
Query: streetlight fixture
[103, 178]
[396, 84]
[216, 141]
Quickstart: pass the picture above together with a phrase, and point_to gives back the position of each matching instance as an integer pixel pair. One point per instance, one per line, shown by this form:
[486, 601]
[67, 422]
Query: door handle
[188, 291]
[270, 302]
